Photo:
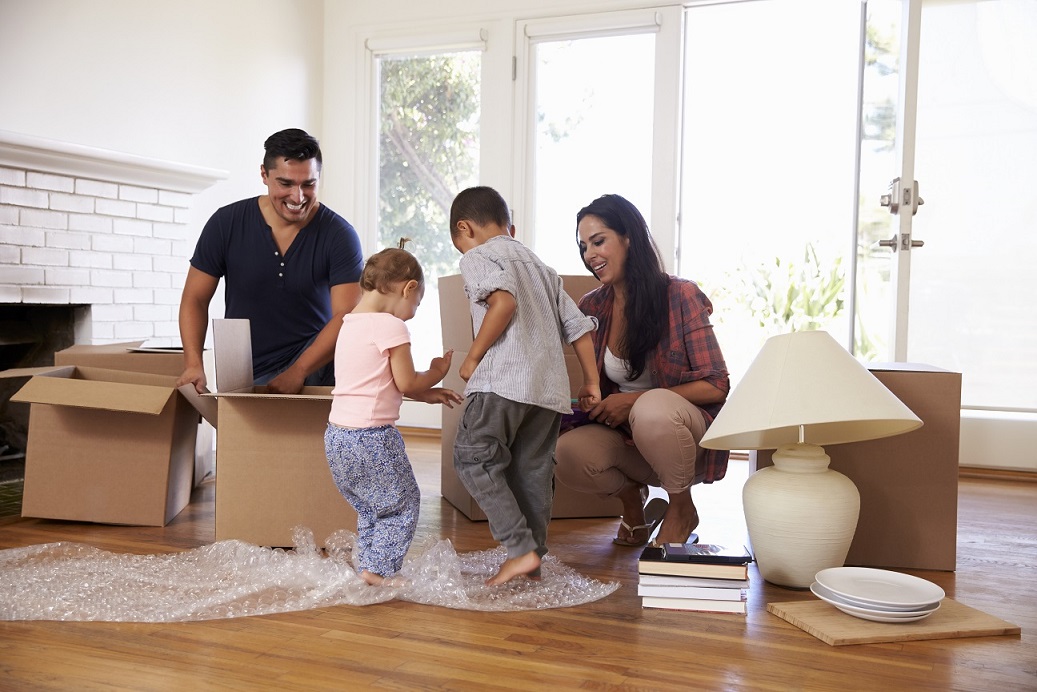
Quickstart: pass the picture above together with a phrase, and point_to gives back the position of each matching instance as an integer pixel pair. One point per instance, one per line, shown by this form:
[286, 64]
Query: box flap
[455, 313]
[904, 367]
[311, 392]
[63, 390]
[202, 404]
[60, 371]
[232, 343]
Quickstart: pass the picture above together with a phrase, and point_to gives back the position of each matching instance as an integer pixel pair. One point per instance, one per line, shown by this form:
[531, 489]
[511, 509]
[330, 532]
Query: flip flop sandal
[654, 512]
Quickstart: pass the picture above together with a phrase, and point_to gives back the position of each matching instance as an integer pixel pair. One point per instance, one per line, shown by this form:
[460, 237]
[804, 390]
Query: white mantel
[79, 161]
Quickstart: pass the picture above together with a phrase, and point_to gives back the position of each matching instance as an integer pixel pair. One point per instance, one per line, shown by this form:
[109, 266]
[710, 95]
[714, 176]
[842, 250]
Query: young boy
[517, 387]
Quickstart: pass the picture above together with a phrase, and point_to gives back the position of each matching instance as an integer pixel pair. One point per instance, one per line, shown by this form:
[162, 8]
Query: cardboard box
[908, 483]
[106, 446]
[132, 356]
[123, 356]
[273, 473]
[456, 317]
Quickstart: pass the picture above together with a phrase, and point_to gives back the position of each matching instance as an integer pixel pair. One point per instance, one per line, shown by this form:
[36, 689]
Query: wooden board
[834, 627]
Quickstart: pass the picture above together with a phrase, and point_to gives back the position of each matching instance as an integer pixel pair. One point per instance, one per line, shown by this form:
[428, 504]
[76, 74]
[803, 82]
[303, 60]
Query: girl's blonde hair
[391, 266]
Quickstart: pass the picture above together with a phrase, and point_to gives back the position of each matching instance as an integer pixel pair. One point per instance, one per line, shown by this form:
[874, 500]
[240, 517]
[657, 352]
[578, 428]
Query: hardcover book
[705, 553]
[666, 580]
[652, 562]
[697, 604]
[701, 592]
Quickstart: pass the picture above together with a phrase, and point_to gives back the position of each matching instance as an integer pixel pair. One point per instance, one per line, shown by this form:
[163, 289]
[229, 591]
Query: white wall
[192, 81]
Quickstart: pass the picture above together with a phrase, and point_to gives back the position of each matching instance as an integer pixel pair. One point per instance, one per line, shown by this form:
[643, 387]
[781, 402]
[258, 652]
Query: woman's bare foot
[633, 499]
[527, 564]
[680, 520]
[372, 578]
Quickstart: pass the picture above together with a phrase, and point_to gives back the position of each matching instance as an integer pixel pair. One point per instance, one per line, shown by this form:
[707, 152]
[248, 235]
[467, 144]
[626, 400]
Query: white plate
[826, 593]
[883, 618]
[880, 588]
[869, 613]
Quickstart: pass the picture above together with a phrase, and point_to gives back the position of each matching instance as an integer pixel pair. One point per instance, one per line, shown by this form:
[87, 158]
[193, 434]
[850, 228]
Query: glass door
[798, 145]
[969, 303]
[769, 167]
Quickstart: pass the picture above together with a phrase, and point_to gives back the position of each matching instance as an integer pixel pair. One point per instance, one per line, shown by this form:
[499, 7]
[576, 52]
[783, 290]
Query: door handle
[901, 243]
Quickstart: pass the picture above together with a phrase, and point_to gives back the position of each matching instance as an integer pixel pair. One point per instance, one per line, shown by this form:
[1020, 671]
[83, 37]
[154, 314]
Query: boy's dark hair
[481, 205]
[391, 266]
[292, 144]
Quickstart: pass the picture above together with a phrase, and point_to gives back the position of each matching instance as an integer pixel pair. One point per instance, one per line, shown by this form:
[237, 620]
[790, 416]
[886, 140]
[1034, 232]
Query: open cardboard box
[456, 317]
[132, 356]
[273, 472]
[107, 446]
[908, 483]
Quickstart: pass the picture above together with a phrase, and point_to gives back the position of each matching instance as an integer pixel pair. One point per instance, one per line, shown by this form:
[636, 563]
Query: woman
[663, 380]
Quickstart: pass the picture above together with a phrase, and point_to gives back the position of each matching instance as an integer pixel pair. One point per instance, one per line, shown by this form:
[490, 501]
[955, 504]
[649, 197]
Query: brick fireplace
[93, 249]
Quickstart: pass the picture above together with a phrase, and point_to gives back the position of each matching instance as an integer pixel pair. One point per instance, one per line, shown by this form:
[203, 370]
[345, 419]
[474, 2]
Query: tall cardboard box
[908, 483]
[273, 472]
[106, 446]
[456, 318]
[133, 357]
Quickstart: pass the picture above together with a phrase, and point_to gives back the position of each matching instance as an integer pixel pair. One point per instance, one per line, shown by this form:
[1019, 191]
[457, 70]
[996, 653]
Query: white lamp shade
[806, 379]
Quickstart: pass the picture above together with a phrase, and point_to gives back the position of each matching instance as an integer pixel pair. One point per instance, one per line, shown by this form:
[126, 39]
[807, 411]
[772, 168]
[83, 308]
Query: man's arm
[498, 316]
[344, 298]
[199, 289]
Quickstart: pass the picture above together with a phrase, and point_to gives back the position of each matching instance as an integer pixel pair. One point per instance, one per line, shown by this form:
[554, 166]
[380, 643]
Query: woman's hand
[614, 410]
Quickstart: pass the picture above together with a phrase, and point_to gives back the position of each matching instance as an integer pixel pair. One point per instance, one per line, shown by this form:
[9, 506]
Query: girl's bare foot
[528, 564]
[680, 520]
[372, 578]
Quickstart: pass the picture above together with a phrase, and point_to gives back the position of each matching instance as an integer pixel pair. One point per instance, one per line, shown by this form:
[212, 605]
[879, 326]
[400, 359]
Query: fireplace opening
[30, 335]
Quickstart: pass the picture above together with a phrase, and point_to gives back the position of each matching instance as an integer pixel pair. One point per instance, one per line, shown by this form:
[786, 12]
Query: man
[292, 268]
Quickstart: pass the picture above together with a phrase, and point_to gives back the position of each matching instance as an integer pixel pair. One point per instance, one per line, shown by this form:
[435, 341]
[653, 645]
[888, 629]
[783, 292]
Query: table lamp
[803, 390]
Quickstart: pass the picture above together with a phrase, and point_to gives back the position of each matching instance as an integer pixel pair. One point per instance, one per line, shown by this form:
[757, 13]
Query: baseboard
[997, 474]
[416, 433]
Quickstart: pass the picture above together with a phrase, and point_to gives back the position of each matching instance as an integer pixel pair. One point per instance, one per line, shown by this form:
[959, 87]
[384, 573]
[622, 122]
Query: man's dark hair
[481, 205]
[292, 144]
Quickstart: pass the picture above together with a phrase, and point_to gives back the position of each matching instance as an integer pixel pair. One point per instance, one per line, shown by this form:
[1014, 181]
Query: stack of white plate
[877, 594]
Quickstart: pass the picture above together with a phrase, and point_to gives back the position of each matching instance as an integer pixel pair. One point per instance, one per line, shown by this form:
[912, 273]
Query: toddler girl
[373, 371]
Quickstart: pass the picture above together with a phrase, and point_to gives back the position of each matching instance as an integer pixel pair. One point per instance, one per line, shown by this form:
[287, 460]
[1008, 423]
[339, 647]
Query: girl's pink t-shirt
[365, 394]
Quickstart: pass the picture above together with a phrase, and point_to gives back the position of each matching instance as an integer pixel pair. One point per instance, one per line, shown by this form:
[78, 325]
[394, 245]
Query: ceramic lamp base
[800, 515]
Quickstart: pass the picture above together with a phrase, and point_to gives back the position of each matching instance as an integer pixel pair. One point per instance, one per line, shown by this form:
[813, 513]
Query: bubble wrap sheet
[226, 579]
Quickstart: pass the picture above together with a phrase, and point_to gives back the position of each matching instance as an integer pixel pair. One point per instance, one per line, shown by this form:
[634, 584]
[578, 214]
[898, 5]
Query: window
[592, 95]
[428, 150]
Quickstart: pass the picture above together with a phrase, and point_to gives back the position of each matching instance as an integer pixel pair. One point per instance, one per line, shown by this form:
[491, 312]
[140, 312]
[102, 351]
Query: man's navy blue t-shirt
[287, 299]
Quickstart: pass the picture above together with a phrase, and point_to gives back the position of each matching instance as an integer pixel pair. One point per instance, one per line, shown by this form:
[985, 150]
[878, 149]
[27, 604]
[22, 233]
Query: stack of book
[692, 576]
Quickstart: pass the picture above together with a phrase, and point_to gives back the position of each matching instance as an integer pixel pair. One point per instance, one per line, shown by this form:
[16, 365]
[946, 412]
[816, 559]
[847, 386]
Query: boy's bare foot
[372, 578]
[528, 564]
[680, 520]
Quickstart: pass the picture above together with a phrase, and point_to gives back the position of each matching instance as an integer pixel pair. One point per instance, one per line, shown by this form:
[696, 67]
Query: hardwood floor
[608, 644]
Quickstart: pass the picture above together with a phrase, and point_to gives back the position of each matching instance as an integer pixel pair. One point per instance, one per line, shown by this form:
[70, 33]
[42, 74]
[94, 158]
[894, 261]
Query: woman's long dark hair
[647, 307]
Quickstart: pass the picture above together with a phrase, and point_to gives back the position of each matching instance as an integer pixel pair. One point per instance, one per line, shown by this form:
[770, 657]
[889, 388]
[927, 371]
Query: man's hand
[195, 376]
[288, 382]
